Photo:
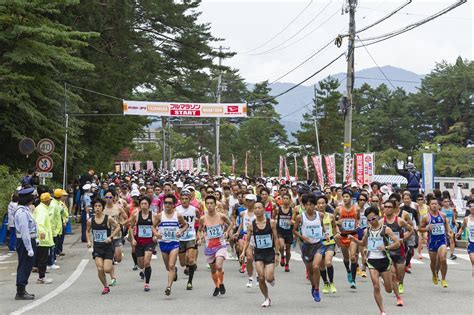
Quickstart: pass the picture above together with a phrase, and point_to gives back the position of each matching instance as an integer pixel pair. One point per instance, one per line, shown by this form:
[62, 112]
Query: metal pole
[218, 120]
[315, 121]
[170, 167]
[163, 125]
[66, 116]
[350, 78]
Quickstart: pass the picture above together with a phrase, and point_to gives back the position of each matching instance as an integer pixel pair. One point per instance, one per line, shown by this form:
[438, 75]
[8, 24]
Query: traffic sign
[45, 175]
[44, 163]
[27, 146]
[45, 146]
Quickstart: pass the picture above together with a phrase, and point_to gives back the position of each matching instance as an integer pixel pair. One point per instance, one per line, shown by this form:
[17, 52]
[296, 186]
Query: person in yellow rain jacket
[61, 196]
[57, 227]
[45, 236]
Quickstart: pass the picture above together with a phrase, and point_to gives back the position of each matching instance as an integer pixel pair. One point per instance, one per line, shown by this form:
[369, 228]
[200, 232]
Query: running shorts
[221, 252]
[308, 251]
[185, 245]
[287, 237]
[167, 247]
[267, 256]
[104, 252]
[381, 265]
[141, 249]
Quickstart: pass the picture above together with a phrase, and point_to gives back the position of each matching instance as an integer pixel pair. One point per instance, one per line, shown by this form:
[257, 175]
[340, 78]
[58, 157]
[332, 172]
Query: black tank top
[397, 230]
[144, 232]
[284, 220]
[100, 232]
[263, 238]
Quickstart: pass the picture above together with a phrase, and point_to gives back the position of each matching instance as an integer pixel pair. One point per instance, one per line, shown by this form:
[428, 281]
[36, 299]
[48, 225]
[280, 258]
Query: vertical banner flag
[261, 165]
[149, 166]
[331, 168]
[178, 164]
[199, 162]
[296, 168]
[280, 172]
[191, 164]
[318, 166]
[348, 167]
[233, 165]
[246, 162]
[287, 171]
[130, 166]
[207, 163]
[365, 167]
[428, 172]
[305, 162]
[219, 165]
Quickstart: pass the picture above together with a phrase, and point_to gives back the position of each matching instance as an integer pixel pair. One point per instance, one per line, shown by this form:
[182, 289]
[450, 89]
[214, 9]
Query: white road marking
[463, 256]
[450, 262]
[90, 250]
[8, 255]
[8, 262]
[337, 259]
[1, 268]
[66, 284]
[416, 262]
[296, 256]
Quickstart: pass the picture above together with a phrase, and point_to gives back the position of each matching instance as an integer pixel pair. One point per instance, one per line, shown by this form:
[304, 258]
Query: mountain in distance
[291, 106]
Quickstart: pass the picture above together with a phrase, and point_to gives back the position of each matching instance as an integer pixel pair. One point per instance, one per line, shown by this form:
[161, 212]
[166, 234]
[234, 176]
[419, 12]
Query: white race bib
[313, 231]
[373, 243]
[145, 231]
[285, 224]
[99, 235]
[348, 224]
[470, 232]
[214, 231]
[363, 221]
[438, 229]
[263, 241]
[169, 233]
[397, 234]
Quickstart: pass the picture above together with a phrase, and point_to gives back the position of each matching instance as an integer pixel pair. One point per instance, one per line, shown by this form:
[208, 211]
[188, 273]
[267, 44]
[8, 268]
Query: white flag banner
[428, 172]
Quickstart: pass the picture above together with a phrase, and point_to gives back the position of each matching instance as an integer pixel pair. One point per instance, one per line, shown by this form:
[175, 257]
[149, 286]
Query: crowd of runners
[375, 228]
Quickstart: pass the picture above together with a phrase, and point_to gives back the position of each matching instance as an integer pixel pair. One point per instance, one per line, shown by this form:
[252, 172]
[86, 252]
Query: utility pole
[66, 118]
[170, 167]
[163, 128]
[218, 120]
[315, 120]
[351, 6]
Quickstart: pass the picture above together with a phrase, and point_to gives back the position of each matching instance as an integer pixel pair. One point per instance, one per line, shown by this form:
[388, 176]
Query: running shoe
[146, 287]
[135, 268]
[401, 289]
[399, 301]
[142, 275]
[282, 262]
[453, 257]
[106, 290]
[358, 272]
[249, 283]
[189, 286]
[316, 296]
[267, 303]
[435, 280]
[363, 274]
[332, 287]
[216, 292]
[349, 277]
[222, 289]
[353, 285]
[44, 281]
[176, 275]
[113, 282]
[168, 291]
[444, 283]
[326, 288]
[407, 270]
[287, 268]
[242, 269]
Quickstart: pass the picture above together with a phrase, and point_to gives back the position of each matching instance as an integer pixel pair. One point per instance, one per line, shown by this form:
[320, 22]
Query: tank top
[349, 219]
[398, 231]
[189, 215]
[470, 229]
[100, 232]
[240, 209]
[284, 220]
[263, 237]
[168, 228]
[423, 211]
[144, 229]
[438, 232]
[114, 212]
[375, 239]
[362, 219]
[312, 229]
[246, 221]
[449, 215]
[214, 237]
[269, 210]
[328, 226]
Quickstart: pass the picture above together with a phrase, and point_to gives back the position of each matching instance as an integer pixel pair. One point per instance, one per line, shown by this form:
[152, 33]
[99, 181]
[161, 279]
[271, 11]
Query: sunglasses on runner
[109, 197]
[362, 199]
[373, 219]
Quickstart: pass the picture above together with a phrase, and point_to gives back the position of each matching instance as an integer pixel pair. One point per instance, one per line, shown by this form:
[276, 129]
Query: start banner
[176, 109]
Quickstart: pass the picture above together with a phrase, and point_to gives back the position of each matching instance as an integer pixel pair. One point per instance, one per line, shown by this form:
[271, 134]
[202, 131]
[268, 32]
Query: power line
[380, 69]
[394, 80]
[299, 31]
[94, 92]
[280, 32]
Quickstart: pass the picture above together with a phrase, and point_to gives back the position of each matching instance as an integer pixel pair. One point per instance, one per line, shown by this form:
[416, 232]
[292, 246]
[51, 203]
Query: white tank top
[189, 215]
[312, 229]
[248, 219]
[168, 228]
[470, 229]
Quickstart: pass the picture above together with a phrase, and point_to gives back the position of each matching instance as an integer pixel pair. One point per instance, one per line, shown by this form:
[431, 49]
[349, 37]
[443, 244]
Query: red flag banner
[287, 171]
[219, 165]
[319, 169]
[280, 172]
[348, 168]
[305, 162]
[296, 168]
[330, 168]
[365, 165]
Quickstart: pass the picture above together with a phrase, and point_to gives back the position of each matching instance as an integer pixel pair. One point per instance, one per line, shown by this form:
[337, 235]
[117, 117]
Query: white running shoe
[53, 267]
[267, 303]
[44, 281]
[250, 283]
[154, 257]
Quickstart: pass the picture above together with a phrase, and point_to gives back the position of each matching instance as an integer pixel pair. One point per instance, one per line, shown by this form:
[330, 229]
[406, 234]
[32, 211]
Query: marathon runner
[468, 223]
[361, 206]
[285, 220]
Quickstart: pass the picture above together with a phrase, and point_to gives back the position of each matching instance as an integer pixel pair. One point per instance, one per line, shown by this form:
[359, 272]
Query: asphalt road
[77, 290]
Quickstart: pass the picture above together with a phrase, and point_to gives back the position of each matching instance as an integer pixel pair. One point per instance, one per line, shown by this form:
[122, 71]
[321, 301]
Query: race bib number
[99, 235]
[470, 232]
[348, 224]
[313, 231]
[145, 231]
[363, 221]
[263, 241]
[438, 229]
[373, 243]
[268, 215]
[214, 231]
[397, 234]
[188, 234]
[285, 224]
[327, 227]
[169, 233]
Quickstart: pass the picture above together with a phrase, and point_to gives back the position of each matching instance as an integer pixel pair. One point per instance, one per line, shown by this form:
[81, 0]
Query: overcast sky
[249, 26]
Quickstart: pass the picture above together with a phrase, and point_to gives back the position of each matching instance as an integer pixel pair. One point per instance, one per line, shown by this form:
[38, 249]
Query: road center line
[66, 284]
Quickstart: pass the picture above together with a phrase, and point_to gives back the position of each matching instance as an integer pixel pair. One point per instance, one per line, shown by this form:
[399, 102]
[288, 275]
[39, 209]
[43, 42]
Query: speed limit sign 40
[44, 164]
[45, 147]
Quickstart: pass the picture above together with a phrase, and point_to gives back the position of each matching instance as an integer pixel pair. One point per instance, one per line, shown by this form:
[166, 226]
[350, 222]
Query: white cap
[86, 187]
[269, 185]
[179, 184]
[354, 184]
[94, 185]
[251, 197]
[135, 193]
[142, 187]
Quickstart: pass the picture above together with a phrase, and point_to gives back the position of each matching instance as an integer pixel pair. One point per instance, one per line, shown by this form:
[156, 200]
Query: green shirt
[55, 210]
[43, 221]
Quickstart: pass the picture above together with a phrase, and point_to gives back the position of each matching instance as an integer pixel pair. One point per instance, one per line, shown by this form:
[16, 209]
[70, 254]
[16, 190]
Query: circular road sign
[45, 147]
[27, 146]
[44, 163]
